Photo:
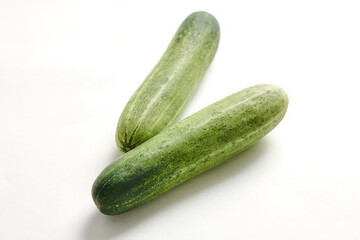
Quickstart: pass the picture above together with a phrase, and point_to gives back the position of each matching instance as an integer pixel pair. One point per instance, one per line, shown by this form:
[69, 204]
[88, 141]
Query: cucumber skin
[160, 99]
[189, 147]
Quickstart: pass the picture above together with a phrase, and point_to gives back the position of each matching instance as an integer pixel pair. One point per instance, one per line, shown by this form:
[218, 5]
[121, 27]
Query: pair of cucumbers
[161, 156]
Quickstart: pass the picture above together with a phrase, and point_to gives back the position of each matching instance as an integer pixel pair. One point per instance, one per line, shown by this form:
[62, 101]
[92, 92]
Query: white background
[67, 69]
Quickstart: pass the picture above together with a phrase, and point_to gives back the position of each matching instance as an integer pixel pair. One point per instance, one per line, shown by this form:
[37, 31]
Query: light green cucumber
[189, 147]
[160, 99]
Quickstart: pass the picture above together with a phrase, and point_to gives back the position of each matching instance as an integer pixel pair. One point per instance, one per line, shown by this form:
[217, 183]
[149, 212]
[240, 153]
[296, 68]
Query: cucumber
[160, 99]
[188, 148]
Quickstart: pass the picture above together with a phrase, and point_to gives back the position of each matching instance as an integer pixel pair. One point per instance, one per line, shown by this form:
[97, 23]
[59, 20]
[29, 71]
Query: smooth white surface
[67, 69]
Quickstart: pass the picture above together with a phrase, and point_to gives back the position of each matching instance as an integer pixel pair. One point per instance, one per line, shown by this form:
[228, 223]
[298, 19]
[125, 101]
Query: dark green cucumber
[160, 99]
[189, 147]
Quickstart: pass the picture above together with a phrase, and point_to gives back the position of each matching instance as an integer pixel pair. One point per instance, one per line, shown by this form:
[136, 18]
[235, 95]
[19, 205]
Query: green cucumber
[189, 147]
[160, 99]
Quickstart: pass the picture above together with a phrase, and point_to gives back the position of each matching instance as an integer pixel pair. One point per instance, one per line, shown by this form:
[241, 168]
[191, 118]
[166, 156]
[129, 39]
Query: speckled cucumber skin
[189, 147]
[160, 99]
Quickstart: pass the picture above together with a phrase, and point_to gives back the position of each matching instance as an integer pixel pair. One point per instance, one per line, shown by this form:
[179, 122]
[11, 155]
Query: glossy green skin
[160, 99]
[189, 147]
